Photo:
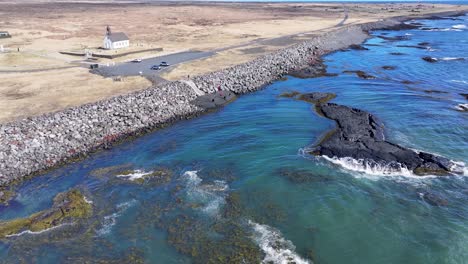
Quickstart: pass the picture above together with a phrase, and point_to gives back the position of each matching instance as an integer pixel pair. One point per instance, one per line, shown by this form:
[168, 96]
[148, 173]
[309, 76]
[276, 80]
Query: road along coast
[35, 144]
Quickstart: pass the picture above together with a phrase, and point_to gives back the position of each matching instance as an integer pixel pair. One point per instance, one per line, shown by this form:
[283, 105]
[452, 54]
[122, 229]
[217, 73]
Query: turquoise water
[242, 184]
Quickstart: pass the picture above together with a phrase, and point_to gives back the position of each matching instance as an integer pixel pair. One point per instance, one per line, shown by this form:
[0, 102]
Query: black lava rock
[429, 59]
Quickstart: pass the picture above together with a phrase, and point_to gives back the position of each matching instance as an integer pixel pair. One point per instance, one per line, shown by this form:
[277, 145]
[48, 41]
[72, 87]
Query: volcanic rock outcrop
[360, 135]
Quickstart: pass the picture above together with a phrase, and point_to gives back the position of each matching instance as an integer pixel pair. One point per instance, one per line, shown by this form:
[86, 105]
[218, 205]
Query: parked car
[164, 64]
[136, 60]
[155, 67]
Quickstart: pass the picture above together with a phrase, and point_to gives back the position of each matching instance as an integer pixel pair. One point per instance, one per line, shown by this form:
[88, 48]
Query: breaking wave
[38, 232]
[452, 58]
[371, 167]
[460, 26]
[110, 220]
[462, 107]
[88, 201]
[277, 249]
[444, 29]
[212, 196]
[137, 174]
[459, 81]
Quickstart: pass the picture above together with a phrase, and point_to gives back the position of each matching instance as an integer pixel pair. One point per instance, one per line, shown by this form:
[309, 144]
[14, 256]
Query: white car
[137, 60]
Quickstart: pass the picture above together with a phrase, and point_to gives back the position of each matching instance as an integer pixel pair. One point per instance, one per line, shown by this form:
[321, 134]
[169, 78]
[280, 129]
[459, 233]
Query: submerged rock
[412, 46]
[462, 107]
[407, 82]
[429, 59]
[395, 38]
[5, 196]
[155, 176]
[292, 94]
[315, 98]
[361, 74]
[357, 47]
[434, 91]
[315, 70]
[387, 67]
[433, 199]
[360, 135]
[67, 208]
[301, 176]
[397, 53]
[404, 26]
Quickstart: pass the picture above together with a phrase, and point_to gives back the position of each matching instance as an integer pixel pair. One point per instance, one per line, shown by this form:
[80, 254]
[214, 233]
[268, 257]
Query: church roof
[117, 36]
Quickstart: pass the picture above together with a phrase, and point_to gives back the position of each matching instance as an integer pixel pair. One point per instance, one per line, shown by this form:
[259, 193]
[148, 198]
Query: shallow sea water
[242, 181]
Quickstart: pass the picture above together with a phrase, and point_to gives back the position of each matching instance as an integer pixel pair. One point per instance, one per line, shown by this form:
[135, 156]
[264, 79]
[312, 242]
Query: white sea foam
[38, 232]
[212, 196]
[459, 81]
[459, 167]
[451, 58]
[137, 174]
[461, 107]
[110, 220]
[460, 26]
[371, 167]
[89, 201]
[444, 29]
[278, 250]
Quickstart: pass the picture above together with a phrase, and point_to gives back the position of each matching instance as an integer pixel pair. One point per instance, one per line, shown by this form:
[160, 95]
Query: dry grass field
[240, 31]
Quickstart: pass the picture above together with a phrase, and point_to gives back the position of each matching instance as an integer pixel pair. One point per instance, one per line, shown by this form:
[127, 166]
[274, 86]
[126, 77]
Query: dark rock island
[360, 135]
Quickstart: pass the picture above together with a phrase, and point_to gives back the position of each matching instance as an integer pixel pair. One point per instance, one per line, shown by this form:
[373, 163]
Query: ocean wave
[110, 220]
[462, 107]
[459, 81]
[371, 167]
[460, 26]
[212, 196]
[38, 232]
[452, 58]
[444, 29]
[88, 201]
[459, 167]
[137, 174]
[277, 249]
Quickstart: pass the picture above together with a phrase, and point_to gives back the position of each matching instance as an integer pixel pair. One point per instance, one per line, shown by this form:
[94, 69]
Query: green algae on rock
[5, 196]
[300, 176]
[126, 173]
[292, 94]
[362, 75]
[67, 207]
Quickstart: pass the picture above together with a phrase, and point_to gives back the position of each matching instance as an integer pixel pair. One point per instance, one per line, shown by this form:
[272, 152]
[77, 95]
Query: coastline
[34, 145]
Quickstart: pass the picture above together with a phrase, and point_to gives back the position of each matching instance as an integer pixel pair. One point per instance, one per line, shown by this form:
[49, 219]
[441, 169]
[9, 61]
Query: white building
[116, 40]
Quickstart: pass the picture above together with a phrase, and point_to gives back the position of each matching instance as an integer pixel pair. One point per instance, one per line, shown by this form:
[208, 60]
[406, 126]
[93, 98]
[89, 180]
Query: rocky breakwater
[35, 144]
[360, 135]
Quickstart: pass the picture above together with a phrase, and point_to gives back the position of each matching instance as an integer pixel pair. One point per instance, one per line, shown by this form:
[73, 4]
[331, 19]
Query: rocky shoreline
[35, 144]
[360, 135]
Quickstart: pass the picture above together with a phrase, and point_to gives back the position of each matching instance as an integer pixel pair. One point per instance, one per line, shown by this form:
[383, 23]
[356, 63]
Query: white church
[116, 40]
